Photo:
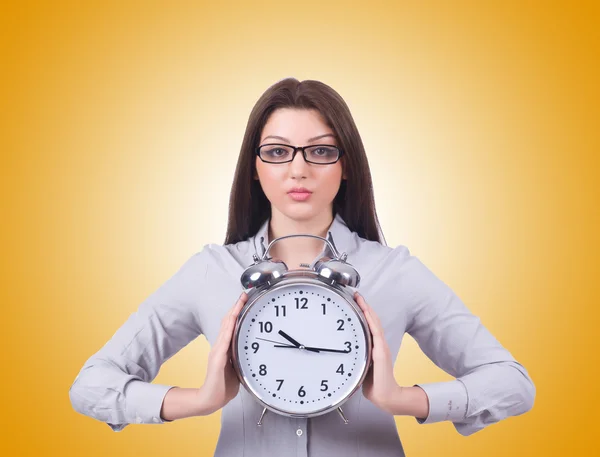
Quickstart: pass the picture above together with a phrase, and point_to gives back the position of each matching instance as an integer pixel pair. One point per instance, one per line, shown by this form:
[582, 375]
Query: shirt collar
[338, 234]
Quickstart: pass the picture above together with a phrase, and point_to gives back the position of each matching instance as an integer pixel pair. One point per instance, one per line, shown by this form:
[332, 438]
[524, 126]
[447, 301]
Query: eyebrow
[310, 139]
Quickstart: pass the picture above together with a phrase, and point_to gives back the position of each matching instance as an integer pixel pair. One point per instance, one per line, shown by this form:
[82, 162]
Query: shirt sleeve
[114, 385]
[490, 384]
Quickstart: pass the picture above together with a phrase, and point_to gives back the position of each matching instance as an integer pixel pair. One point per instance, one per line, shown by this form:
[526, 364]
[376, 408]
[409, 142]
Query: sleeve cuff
[447, 401]
[144, 401]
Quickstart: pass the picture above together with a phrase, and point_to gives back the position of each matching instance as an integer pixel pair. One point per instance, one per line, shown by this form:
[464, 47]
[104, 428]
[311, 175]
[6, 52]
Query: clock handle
[333, 250]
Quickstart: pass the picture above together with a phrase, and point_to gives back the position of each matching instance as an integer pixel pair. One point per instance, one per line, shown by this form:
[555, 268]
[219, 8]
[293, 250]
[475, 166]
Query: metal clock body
[301, 346]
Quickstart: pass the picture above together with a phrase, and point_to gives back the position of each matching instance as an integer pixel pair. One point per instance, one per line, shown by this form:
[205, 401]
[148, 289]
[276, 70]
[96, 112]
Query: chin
[304, 214]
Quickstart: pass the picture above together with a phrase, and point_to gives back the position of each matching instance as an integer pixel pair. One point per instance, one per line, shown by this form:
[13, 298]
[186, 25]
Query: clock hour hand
[289, 338]
[294, 342]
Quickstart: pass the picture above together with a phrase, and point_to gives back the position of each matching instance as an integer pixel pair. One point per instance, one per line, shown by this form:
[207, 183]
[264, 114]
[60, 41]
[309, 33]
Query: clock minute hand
[343, 351]
[294, 347]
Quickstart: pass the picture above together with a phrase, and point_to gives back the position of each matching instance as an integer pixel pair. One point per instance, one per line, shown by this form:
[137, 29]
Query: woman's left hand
[379, 386]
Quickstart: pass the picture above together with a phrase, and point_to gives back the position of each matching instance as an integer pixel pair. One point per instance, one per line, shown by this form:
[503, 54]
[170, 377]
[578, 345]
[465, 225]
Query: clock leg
[342, 414]
[259, 423]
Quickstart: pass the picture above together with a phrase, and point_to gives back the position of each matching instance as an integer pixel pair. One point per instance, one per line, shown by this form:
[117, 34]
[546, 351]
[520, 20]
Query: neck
[298, 250]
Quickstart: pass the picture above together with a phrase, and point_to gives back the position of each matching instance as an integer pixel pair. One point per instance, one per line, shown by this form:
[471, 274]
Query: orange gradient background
[121, 127]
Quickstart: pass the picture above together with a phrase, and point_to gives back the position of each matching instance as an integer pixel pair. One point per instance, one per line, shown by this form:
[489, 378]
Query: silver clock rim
[288, 281]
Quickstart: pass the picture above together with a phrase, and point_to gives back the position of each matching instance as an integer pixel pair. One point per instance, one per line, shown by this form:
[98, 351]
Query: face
[299, 127]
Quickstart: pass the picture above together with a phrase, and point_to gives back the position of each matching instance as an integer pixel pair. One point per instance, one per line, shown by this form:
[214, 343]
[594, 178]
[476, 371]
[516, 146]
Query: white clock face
[301, 348]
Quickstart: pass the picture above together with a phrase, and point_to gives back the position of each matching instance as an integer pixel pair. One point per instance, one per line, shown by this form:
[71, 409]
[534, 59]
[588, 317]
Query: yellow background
[121, 126]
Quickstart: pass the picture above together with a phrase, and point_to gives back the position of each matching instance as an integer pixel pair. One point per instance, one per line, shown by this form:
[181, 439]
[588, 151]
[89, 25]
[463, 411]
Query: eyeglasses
[321, 154]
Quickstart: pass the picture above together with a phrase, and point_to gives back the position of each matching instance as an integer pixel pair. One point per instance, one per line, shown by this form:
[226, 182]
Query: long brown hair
[249, 207]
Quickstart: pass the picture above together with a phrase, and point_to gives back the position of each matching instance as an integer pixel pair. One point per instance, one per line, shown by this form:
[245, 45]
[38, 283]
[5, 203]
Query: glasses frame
[300, 148]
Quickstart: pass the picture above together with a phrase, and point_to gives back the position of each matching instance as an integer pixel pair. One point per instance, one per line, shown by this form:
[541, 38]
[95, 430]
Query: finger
[373, 314]
[237, 307]
[228, 322]
[228, 331]
[373, 324]
[362, 302]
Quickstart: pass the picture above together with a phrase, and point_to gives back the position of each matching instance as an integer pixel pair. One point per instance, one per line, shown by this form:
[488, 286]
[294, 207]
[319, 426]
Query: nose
[298, 165]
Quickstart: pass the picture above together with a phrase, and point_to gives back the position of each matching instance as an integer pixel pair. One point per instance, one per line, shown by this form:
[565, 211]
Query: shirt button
[299, 432]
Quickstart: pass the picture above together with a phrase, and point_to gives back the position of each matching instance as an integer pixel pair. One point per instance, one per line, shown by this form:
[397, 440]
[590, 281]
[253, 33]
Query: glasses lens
[322, 154]
[276, 153]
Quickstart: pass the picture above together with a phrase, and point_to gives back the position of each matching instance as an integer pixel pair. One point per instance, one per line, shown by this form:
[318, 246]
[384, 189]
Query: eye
[276, 151]
[324, 151]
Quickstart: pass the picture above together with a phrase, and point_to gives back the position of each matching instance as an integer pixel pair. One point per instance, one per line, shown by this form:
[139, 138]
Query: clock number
[280, 381]
[340, 369]
[255, 346]
[324, 384]
[301, 392]
[341, 322]
[262, 370]
[348, 346]
[304, 302]
[324, 308]
[277, 310]
[265, 327]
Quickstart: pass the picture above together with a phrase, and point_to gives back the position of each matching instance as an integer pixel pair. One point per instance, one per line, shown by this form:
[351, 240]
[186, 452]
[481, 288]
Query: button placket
[301, 437]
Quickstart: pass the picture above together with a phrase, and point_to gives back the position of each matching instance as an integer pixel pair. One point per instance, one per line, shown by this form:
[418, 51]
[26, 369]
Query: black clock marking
[277, 311]
[265, 327]
[304, 303]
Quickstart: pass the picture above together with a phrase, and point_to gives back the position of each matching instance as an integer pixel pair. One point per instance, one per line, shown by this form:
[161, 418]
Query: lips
[299, 190]
[299, 193]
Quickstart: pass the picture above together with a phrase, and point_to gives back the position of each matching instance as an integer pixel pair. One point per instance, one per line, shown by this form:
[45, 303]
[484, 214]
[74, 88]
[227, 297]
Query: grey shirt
[115, 384]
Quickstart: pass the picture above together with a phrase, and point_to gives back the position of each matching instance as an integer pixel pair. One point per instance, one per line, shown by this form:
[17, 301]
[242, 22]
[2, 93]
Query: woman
[322, 189]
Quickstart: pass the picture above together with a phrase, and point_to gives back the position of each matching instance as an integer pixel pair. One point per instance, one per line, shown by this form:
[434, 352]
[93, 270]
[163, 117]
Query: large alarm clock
[301, 345]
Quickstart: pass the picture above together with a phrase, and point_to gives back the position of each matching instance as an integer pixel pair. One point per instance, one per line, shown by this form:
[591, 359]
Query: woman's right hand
[221, 384]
